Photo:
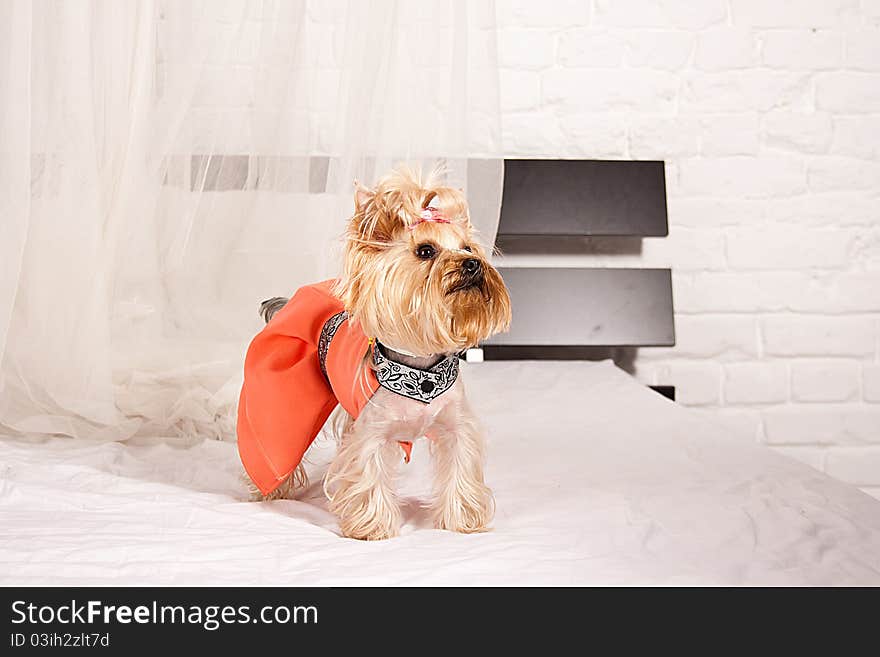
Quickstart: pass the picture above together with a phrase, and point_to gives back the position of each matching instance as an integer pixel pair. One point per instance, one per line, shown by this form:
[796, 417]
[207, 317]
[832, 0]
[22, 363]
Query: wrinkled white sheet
[598, 480]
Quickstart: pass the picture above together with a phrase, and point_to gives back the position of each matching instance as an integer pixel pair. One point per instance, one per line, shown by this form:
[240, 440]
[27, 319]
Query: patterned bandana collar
[421, 385]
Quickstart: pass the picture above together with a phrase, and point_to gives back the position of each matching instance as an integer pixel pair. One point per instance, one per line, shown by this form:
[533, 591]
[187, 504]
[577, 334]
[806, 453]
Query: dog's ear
[376, 217]
[362, 196]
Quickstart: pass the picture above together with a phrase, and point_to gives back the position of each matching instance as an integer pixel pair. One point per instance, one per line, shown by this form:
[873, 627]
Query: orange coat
[287, 396]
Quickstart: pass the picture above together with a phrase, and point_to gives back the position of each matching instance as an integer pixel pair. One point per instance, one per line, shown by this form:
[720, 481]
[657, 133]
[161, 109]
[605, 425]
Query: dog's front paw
[369, 532]
[467, 513]
[367, 515]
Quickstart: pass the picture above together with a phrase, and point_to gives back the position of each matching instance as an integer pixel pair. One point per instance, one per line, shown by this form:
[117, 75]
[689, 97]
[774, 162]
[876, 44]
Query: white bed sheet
[598, 480]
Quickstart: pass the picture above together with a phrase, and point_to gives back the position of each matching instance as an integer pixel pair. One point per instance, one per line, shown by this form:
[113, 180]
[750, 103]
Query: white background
[766, 113]
[768, 117]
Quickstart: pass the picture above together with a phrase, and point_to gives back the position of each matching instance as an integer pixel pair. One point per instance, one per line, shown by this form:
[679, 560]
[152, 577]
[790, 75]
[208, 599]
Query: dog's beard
[462, 283]
[478, 307]
[444, 311]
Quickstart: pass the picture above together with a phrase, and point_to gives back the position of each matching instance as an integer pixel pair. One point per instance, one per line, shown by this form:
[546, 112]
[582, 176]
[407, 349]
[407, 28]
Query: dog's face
[414, 277]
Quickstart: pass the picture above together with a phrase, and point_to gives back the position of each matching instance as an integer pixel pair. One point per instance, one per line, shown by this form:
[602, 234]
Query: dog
[381, 341]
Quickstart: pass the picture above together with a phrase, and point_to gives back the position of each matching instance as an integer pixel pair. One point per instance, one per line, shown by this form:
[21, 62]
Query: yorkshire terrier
[382, 342]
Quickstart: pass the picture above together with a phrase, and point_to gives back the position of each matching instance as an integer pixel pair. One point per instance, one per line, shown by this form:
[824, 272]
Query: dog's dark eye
[426, 251]
[467, 248]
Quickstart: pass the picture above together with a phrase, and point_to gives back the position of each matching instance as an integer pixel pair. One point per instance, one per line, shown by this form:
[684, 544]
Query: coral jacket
[308, 359]
[286, 397]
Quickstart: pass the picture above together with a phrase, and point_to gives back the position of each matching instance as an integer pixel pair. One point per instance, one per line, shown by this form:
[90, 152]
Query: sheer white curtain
[164, 166]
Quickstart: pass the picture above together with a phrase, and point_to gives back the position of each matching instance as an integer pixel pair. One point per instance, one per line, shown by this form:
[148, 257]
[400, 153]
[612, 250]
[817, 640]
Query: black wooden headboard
[573, 313]
[583, 198]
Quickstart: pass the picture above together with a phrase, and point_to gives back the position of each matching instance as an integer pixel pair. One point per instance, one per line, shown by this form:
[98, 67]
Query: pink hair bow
[431, 214]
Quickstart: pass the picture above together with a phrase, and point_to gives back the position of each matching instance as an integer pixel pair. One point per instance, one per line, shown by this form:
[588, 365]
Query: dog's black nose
[472, 267]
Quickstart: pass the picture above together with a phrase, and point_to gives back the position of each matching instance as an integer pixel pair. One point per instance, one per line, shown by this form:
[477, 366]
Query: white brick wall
[825, 381]
[768, 117]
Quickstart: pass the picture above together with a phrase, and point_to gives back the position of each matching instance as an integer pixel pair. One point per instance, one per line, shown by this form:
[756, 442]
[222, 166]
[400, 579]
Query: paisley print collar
[418, 384]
